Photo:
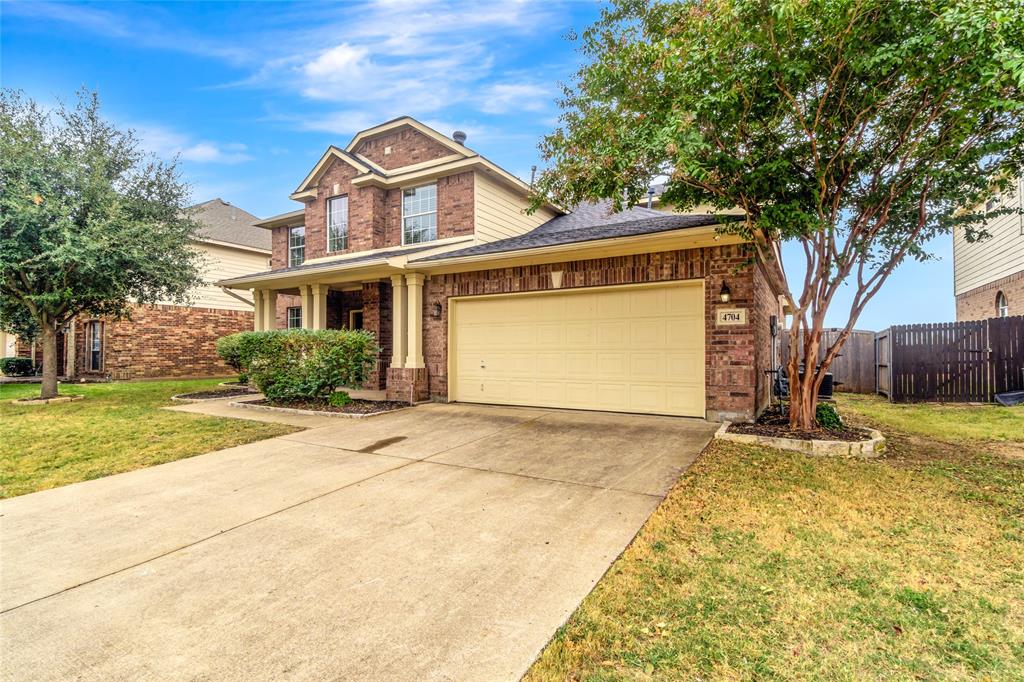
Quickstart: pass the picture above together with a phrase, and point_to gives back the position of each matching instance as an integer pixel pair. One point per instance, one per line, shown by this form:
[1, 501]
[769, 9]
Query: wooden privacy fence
[951, 362]
[855, 366]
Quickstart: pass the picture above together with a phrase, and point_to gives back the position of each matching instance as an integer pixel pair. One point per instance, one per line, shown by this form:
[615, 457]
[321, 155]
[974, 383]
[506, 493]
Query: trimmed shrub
[302, 364]
[238, 350]
[828, 418]
[17, 367]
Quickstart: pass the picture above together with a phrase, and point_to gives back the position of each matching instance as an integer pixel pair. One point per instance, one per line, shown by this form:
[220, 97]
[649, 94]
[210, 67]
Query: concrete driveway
[438, 543]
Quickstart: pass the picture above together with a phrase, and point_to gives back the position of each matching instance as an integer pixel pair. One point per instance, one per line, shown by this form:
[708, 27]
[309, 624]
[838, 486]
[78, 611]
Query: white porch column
[399, 318]
[69, 350]
[414, 285]
[269, 309]
[319, 307]
[257, 310]
[306, 301]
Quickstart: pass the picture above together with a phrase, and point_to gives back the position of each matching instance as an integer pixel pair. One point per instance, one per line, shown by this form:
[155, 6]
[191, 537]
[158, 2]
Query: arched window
[1002, 308]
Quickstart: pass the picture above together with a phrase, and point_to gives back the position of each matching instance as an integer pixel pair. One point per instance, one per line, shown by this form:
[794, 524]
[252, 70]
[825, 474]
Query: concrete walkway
[445, 542]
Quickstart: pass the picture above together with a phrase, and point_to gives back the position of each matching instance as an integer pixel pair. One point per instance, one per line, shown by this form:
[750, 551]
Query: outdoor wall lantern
[725, 294]
[436, 312]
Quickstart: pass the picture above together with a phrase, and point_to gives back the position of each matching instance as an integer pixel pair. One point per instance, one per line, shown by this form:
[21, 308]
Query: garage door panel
[647, 303]
[611, 334]
[613, 365]
[680, 366]
[581, 364]
[622, 349]
[649, 333]
[649, 366]
[579, 334]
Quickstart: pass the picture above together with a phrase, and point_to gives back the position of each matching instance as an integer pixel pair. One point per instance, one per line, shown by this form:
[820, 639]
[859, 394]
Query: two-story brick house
[412, 235]
[988, 275]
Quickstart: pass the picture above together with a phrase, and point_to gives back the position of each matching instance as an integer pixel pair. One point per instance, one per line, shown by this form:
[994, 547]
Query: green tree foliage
[859, 128]
[89, 224]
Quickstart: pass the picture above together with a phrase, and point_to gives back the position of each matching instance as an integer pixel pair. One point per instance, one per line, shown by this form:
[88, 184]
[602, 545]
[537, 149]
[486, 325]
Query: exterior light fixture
[725, 294]
[436, 313]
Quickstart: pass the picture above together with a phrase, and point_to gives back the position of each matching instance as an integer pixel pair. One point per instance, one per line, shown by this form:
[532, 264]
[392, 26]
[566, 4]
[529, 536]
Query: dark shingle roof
[590, 222]
[222, 222]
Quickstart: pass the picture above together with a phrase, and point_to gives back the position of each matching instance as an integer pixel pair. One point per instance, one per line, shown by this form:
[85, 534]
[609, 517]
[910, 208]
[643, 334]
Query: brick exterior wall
[980, 303]
[408, 146]
[162, 341]
[375, 214]
[454, 209]
[377, 313]
[735, 356]
[284, 302]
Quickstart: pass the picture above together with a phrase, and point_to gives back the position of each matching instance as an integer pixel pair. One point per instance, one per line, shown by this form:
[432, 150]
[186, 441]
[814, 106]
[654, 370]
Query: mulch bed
[777, 426]
[357, 406]
[217, 393]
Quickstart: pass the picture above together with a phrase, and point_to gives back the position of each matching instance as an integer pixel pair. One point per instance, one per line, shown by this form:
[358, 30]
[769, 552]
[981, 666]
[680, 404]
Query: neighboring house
[417, 238]
[168, 340]
[988, 275]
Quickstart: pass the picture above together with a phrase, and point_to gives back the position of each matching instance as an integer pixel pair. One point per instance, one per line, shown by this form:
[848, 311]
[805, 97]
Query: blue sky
[249, 95]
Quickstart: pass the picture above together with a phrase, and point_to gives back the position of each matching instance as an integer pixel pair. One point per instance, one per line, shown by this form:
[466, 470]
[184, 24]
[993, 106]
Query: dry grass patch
[764, 564]
[118, 427]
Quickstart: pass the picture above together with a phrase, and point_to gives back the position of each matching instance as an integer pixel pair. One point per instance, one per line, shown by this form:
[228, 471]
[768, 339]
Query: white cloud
[167, 143]
[501, 98]
[394, 57]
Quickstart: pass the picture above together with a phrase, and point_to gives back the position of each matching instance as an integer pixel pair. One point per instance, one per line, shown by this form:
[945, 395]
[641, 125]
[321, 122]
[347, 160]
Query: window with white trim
[1002, 307]
[337, 223]
[95, 346]
[419, 214]
[296, 246]
[294, 317]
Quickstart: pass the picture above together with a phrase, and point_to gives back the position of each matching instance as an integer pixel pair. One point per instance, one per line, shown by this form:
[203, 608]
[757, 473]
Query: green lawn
[117, 427]
[762, 564]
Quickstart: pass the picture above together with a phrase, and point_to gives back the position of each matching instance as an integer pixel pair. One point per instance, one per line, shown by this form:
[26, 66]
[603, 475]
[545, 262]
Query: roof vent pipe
[459, 137]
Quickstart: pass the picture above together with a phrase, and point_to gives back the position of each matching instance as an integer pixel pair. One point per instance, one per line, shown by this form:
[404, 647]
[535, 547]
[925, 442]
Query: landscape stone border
[318, 413]
[47, 401]
[179, 399]
[872, 447]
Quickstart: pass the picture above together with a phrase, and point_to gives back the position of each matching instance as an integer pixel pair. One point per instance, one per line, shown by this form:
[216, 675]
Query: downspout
[232, 294]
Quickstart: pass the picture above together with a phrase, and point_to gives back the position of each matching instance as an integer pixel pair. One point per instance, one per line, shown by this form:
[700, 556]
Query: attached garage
[627, 348]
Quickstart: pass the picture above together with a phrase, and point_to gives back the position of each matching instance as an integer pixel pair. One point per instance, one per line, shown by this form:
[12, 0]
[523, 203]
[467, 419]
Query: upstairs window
[337, 224]
[296, 246]
[1002, 307]
[419, 214]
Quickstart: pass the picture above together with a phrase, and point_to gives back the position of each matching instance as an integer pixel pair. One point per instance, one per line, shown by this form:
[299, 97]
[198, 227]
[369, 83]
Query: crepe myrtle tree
[860, 129]
[89, 224]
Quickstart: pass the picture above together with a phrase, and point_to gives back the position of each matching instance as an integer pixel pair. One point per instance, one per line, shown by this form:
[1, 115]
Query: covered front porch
[391, 307]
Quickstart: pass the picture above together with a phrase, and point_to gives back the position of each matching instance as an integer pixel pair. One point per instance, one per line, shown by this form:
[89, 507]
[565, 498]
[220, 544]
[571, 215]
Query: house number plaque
[725, 317]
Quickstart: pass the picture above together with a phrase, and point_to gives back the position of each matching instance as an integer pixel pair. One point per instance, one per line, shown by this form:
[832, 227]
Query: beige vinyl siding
[501, 212]
[224, 262]
[1000, 255]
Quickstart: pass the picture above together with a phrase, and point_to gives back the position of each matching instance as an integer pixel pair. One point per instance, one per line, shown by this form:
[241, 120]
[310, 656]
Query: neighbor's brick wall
[408, 146]
[980, 303]
[163, 341]
[734, 356]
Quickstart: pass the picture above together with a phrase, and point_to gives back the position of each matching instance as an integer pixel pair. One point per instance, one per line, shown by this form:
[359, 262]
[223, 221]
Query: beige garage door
[623, 349]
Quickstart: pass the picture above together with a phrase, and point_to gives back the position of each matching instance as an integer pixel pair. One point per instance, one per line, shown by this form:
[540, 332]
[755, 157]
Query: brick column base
[407, 385]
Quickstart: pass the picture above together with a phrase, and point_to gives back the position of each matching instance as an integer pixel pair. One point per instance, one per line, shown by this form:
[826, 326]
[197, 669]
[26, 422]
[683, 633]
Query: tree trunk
[803, 392]
[49, 335]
